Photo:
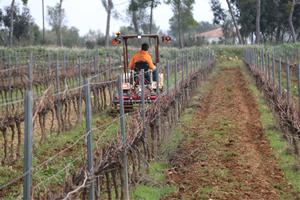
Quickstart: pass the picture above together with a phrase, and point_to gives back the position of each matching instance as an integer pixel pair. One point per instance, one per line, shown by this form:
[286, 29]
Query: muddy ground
[225, 154]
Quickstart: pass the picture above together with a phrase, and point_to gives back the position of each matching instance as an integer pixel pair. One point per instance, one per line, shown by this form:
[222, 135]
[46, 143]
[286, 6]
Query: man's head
[145, 47]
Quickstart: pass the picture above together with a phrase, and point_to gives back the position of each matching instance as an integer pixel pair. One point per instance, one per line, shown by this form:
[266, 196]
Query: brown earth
[225, 154]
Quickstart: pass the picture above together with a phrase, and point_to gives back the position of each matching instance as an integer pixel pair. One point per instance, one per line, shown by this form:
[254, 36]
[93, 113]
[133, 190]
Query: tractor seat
[141, 65]
[138, 67]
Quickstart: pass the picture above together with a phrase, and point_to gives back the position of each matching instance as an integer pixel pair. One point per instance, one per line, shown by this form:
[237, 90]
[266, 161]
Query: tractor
[132, 89]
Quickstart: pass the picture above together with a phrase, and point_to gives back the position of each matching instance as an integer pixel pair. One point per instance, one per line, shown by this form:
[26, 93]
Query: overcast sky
[90, 15]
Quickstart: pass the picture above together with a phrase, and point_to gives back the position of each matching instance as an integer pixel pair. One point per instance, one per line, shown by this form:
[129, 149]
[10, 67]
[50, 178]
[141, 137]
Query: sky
[90, 15]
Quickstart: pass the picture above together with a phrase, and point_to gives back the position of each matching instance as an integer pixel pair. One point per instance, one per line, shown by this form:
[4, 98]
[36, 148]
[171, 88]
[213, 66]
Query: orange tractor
[132, 89]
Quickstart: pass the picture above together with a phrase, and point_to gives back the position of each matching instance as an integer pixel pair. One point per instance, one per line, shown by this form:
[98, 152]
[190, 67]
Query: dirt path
[225, 154]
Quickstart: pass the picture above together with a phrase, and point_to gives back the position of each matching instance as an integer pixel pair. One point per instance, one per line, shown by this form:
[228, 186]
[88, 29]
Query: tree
[145, 28]
[56, 16]
[235, 22]
[60, 11]
[152, 4]
[205, 26]
[11, 32]
[43, 13]
[23, 24]
[132, 10]
[294, 37]
[228, 28]
[2, 31]
[218, 12]
[258, 10]
[176, 6]
[36, 37]
[221, 18]
[182, 20]
[141, 17]
[93, 38]
[151, 15]
[108, 5]
[296, 20]
[127, 30]
[275, 18]
[71, 36]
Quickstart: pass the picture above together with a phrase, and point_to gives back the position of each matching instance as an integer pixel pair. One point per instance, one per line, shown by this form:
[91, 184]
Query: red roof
[216, 33]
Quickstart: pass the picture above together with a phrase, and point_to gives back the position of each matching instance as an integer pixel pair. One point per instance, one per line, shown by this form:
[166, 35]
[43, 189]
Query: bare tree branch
[78, 188]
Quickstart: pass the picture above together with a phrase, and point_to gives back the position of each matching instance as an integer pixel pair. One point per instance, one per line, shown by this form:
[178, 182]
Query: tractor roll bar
[125, 47]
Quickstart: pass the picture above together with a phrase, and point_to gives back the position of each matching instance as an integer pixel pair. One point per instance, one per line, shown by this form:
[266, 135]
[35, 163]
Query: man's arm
[150, 63]
[132, 62]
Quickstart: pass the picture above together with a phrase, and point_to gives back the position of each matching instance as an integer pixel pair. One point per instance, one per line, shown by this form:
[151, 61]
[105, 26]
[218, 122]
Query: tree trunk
[135, 23]
[258, 14]
[282, 35]
[291, 21]
[57, 35]
[11, 32]
[109, 8]
[135, 20]
[60, 23]
[235, 23]
[43, 12]
[151, 16]
[277, 37]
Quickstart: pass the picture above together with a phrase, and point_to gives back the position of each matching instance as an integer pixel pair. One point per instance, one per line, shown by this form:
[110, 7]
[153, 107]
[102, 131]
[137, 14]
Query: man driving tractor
[143, 60]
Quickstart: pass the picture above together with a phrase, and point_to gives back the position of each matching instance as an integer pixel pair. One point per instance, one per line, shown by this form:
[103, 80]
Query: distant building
[212, 36]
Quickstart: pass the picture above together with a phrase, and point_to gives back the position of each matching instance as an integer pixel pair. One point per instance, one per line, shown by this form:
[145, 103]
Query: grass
[151, 193]
[55, 144]
[205, 192]
[71, 158]
[286, 160]
[278, 144]
[158, 187]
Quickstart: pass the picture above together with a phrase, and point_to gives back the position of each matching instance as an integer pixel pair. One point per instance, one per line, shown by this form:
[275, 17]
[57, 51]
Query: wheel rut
[225, 154]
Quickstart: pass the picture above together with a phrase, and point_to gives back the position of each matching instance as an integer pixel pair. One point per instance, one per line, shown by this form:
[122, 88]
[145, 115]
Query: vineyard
[71, 89]
[279, 79]
[64, 138]
[150, 100]
[56, 84]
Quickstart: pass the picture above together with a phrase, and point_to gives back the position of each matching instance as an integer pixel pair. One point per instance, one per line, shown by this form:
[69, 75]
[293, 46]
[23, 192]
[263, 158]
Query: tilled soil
[225, 154]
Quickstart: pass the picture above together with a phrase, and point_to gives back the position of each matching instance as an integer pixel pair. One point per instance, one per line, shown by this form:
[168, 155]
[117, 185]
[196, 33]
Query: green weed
[277, 143]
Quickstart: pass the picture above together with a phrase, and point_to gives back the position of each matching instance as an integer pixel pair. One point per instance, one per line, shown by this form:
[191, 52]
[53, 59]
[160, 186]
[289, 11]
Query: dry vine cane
[287, 112]
[140, 142]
